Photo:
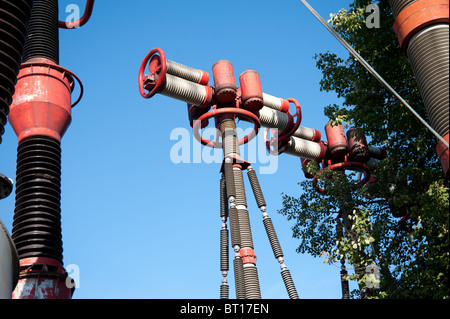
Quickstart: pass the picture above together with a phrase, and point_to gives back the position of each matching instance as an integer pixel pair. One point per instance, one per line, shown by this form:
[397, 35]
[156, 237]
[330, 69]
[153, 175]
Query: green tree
[412, 252]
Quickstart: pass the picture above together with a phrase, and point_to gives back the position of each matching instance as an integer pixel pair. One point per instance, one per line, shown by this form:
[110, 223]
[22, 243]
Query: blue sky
[136, 224]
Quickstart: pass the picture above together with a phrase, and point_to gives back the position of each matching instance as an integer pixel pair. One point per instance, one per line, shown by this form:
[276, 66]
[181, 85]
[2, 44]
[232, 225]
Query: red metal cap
[252, 95]
[42, 101]
[418, 15]
[224, 81]
[337, 142]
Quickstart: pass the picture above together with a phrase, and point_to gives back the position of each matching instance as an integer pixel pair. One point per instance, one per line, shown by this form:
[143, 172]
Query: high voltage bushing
[40, 115]
[230, 102]
[14, 17]
[422, 28]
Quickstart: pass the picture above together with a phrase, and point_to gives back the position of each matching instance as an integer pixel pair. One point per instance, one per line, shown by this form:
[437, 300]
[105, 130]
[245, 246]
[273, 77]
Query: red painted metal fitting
[357, 146]
[42, 101]
[442, 152]
[337, 142]
[43, 278]
[418, 16]
[252, 94]
[224, 82]
[194, 112]
[248, 256]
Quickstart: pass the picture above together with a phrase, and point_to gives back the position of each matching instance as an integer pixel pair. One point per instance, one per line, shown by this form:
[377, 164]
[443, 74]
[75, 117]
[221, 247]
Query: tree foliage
[399, 223]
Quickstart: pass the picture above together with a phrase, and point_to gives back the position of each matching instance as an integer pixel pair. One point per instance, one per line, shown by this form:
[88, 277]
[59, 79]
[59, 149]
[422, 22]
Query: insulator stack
[275, 103]
[43, 32]
[424, 38]
[224, 250]
[229, 179]
[229, 137]
[239, 278]
[273, 238]
[37, 217]
[260, 201]
[234, 226]
[305, 149]
[244, 227]
[185, 90]
[224, 291]
[273, 119]
[223, 199]
[14, 17]
[187, 73]
[289, 283]
[40, 114]
[252, 290]
[240, 188]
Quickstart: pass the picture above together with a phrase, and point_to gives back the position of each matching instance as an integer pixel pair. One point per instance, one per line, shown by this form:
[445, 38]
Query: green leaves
[400, 222]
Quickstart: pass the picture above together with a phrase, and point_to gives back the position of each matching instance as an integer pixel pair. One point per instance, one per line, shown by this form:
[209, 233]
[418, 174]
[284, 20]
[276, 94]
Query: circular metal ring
[161, 72]
[226, 111]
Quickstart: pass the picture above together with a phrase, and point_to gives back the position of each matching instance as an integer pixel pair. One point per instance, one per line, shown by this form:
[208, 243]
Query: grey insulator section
[271, 101]
[239, 278]
[184, 90]
[273, 238]
[229, 137]
[234, 227]
[252, 289]
[224, 291]
[183, 71]
[428, 53]
[245, 229]
[305, 133]
[273, 119]
[289, 283]
[229, 179]
[240, 188]
[260, 201]
[303, 148]
[43, 32]
[398, 5]
[223, 199]
[224, 257]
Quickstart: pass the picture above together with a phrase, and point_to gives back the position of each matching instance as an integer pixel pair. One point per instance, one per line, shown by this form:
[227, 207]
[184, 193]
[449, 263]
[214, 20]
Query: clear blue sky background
[136, 224]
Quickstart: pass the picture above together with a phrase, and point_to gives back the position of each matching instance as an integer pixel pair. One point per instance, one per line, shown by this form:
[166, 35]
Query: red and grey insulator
[422, 27]
[40, 115]
[271, 233]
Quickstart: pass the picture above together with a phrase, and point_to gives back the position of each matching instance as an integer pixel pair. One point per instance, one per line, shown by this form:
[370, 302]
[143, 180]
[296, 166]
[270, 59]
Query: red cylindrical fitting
[417, 16]
[194, 112]
[248, 256]
[442, 152]
[42, 101]
[252, 94]
[337, 142]
[43, 278]
[224, 82]
[357, 146]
